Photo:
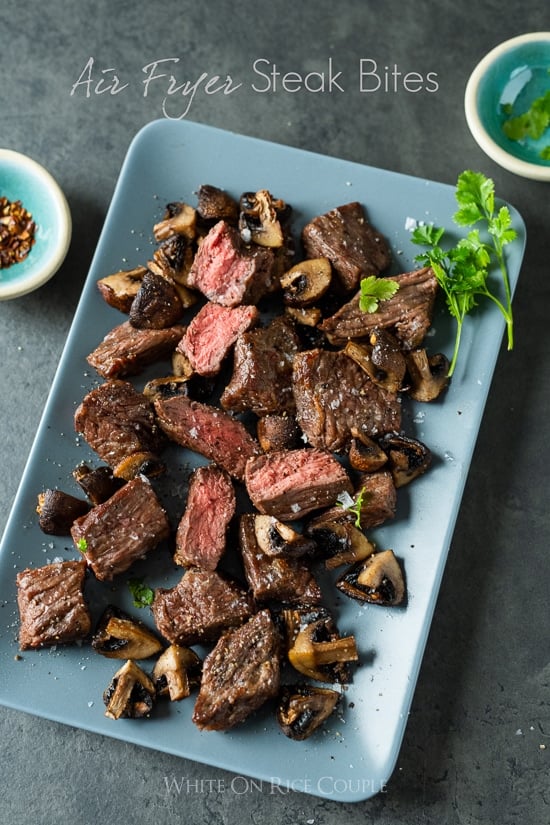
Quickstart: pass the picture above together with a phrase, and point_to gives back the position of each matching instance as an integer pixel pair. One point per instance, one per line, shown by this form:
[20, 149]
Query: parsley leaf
[142, 594]
[374, 290]
[353, 505]
[532, 123]
[82, 545]
[545, 153]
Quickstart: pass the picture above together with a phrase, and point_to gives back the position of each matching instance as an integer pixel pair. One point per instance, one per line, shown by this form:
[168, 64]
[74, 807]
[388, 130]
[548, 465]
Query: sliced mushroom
[131, 693]
[214, 204]
[429, 375]
[166, 387]
[377, 580]
[119, 289]
[302, 709]
[340, 542]
[381, 359]
[364, 453]
[278, 432]
[315, 648]
[407, 457]
[278, 539]
[173, 259]
[305, 316]
[139, 463]
[157, 304]
[176, 672]
[57, 511]
[181, 365]
[98, 484]
[306, 282]
[119, 636]
[259, 219]
[179, 219]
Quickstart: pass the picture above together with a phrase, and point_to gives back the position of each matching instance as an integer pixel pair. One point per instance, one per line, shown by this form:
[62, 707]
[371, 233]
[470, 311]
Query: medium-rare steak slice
[407, 314]
[126, 350]
[207, 430]
[200, 607]
[229, 272]
[239, 675]
[113, 535]
[51, 604]
[211, 334]
[119, 423]
[289, 484]
[201, 533]
[262, 370]
[275, 578]
[352, 245]
[334, 396]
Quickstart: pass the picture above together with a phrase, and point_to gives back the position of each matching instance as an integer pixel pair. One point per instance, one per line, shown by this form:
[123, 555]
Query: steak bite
[51, 604]
[201, 533]
[211, 334]
[262, 370]
[240, 674]
[334, 396]
[379, 499]
[352, 245]
[113, 535]
[275, 578]
[289, 484]
[407, 314]
[118, 422]
[209, 431]
[126, 350]
[229, 272]
[199, 607]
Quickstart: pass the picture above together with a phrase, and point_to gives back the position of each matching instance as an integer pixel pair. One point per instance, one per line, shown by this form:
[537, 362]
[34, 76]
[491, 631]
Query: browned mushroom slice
[407, 457]
[119, 289]
[166, 387]
[173, 259]
[302, 709]
[119, 636]
[306, 282]
[131, 693]
[278, 539]
[57, 511]
[314, 646]
[278, 432]
[259, 219]
[157, 304]
[429, 375]
[381, 359]
[340, 542]
[181, 365]
[364, 452]
[179, 219]
[176, 672]
[214, 204]
[98, 484]
[378, 580]
[306, 316]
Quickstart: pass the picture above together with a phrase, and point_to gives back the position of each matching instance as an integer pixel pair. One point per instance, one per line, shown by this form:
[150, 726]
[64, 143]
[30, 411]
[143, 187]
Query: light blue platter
[355, 756]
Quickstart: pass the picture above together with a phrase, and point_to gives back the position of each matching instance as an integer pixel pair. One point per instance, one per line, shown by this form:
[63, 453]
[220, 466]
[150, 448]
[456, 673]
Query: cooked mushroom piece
[381, 359]
[305, 316]
[306, 282]
[157, 304]
[315, 648]
[302, 709]
[166, 387]
[259, 219]
[377, 580]
[131, 693]
[139, 463]
[364, 453]
[98, 484]
[176, 672]
[214, 204]
[278, 539]
[278, 432]
[173, 259]
[119, 636]
[119, 289]
[57, 511]
[407, 457]
[179, 219]
[429, 375]
[340, 542]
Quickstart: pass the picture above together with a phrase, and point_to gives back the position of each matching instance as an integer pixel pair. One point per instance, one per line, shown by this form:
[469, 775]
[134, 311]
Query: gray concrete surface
[477, 745]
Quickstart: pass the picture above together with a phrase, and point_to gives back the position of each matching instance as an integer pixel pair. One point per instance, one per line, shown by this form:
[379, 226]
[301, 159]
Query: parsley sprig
[373, 290]
[532, 123]
[463, 271]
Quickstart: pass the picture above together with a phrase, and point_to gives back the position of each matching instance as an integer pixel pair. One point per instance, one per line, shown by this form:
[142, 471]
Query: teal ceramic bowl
[503, 87]
[23, 179]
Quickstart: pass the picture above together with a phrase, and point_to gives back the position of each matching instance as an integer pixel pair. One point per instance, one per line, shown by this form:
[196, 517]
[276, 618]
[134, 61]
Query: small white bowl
[23, 179]
[510, 77]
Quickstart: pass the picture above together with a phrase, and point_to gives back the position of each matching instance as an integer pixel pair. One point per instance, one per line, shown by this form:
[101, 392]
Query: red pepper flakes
[17, 230]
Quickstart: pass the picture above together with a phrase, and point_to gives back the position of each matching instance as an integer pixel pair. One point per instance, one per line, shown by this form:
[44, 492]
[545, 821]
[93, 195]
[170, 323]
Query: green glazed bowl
[23, 179]
[504, 84]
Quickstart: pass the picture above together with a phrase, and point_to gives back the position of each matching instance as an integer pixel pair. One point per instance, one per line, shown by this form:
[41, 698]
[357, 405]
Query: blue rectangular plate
[353, 758]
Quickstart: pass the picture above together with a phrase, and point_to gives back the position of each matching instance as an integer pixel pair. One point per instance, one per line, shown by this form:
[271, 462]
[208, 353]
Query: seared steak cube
[352, 245]
[229, 272]
[334, 396]
[51, 604]
[207, 430]
[126, 350]
[113, 535]
[239, 675]
[262, 371]
[289, 484]
[200, 607]
[379, 499]
[201, 533]
[211, 334]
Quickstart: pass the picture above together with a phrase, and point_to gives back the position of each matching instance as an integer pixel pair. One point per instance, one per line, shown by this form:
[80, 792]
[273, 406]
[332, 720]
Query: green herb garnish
[82, 545]
[353, 505]
[374, 290]
[142, 594]
[530, 124]
[463, 270]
